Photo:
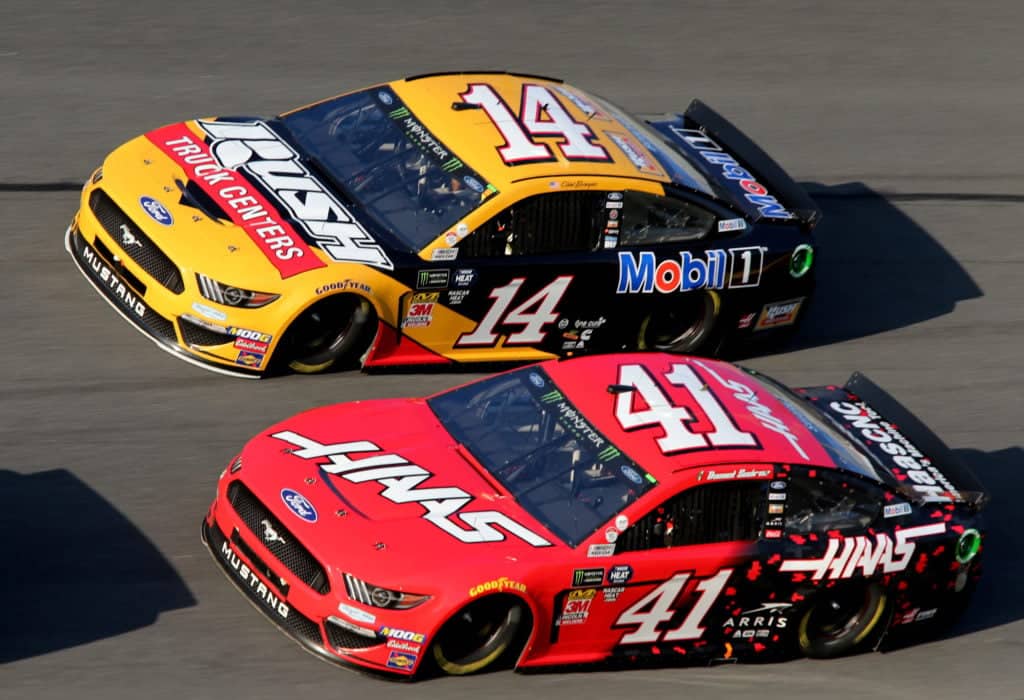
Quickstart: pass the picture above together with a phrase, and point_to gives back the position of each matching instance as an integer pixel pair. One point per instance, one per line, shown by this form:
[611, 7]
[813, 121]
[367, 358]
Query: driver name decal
[401, 480]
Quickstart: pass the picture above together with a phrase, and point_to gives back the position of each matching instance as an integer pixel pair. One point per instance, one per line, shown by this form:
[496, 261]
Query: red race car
[616, 509]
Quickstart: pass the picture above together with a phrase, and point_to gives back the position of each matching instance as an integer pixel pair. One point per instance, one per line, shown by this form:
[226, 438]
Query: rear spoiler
[759, 163]
[902, 421]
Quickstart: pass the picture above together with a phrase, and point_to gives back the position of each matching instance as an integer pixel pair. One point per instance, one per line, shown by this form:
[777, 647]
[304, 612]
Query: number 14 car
[447, 218]
[614, 509]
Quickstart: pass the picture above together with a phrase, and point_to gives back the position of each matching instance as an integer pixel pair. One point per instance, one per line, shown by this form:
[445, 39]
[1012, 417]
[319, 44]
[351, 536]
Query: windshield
[533, 440]
[843, 451]
[389, 163]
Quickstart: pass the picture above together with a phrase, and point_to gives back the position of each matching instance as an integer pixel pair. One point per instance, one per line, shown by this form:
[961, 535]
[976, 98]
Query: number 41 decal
[656, 608]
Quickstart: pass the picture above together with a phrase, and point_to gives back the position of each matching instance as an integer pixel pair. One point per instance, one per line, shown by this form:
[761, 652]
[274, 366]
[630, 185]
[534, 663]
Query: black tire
[478, 636]
[325, 334]
[685, 327]
[843, 619]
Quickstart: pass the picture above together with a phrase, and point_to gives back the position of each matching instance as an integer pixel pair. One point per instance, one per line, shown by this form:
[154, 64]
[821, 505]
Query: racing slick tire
[478, 636]
[328, 332]
[685, 327]
[842, 620]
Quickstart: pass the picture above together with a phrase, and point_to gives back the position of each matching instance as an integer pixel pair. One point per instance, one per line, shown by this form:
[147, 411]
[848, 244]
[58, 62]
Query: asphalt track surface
[904, 116]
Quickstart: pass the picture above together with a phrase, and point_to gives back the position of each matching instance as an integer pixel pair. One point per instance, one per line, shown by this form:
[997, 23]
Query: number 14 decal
[533, 314]
[656, 608]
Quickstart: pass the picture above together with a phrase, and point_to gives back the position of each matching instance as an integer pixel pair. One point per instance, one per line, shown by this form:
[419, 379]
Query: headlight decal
[232, 296]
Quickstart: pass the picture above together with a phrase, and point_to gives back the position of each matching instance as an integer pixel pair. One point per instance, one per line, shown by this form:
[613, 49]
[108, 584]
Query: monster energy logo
[551, 397]
[399, 113]
[607, 453]
[451, 165]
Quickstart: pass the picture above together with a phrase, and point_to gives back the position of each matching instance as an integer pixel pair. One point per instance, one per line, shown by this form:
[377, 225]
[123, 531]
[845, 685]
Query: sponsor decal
[620, 574]
[250, 334]
[759, 622]
[400, 660]
[772, 534]
[731, 225]
[444, 254]
[464, 278]
[642, 273]
[421, 310]
[776, 509]
[600, 550]
[403, 635]
[249, 359]
[621, 522]
[457, 296]
[759, 411]
[590, 324]
[895, 510]
[473, 184]
[432, 279]
[249, 578]
[357, 614]
[612, 593]
[777, 485]
[253, 346]
[404, 646]
[299, 504]
[614, 197]
[582, 104]
[157, 211]
[776, 496]
[635, 153]
[753, 191]
[209, 311]
[385, 97]
[577, 607]
[611, 535]
[737, 473]
[587, 577]
[496, 586]
[343, 285]
[782, 313]
[845, 555]
[746, 320]
[925, 477]
[444, 506]
[127, 298]
[537, 380]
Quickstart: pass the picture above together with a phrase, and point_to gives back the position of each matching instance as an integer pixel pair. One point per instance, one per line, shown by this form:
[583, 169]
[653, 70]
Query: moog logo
[299, 504]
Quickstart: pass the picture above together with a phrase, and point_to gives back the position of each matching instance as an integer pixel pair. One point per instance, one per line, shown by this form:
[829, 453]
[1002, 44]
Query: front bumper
[153, 295]
[310, 618]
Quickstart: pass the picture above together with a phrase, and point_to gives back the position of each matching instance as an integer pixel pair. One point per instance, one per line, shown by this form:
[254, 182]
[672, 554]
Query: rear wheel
[331, 331]
[685, 327]
[843, 619]
[478, 636]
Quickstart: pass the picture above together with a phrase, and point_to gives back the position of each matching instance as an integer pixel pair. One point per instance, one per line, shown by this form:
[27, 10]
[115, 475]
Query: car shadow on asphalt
[876, 268]
[76, 570]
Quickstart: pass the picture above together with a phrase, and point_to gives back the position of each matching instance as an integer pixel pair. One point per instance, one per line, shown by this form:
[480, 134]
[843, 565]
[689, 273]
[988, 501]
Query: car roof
[592, 384]
[473, 136]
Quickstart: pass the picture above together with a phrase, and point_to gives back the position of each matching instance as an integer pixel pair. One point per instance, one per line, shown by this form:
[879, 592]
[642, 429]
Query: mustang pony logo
[128, 238]
[270, 534]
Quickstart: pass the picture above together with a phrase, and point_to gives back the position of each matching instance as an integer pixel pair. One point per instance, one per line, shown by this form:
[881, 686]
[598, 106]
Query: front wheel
[478, 636]
[327, 333]
[842, 620]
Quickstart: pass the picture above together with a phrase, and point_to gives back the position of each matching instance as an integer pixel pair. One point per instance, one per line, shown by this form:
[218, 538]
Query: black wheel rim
[320, 330]
[473, 630]
[679, 328]
[839, 612]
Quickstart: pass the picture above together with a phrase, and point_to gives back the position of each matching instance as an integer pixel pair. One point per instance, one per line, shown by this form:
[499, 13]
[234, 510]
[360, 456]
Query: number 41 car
[445, 218]
[607, 509]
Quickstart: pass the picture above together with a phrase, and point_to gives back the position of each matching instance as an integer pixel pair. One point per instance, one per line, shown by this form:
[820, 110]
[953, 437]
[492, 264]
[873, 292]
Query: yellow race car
[454, 217]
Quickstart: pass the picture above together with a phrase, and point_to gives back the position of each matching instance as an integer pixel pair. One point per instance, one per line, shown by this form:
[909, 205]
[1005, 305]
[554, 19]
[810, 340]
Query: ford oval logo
[157, 211]
[299, 504]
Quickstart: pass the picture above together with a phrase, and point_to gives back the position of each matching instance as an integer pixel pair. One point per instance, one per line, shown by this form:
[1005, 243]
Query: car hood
[389, 486]
[237, 190]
